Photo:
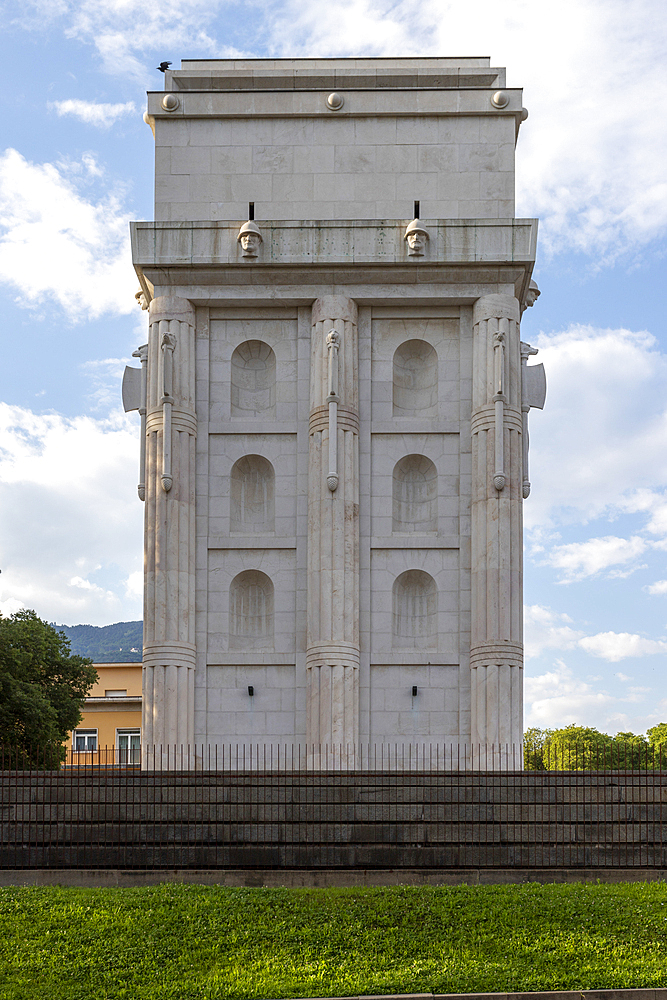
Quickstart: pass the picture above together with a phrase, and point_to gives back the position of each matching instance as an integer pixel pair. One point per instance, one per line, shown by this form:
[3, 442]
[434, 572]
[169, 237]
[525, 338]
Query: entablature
[317, 242]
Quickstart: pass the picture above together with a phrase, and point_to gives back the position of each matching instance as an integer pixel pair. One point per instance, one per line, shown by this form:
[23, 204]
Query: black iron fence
[398, 806]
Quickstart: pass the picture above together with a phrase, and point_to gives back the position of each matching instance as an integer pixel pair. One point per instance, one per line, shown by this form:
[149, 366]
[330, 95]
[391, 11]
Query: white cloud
[134, 585]
[578, 560]
[659, 587]
[105, 376]
[92, 113]
[123, 31]
[615, 646]
[10, 606]
[598, 447]
[590, 158]
[546, 629]
[653, 503]
[71, 524]
[559, 698]
[56, 245]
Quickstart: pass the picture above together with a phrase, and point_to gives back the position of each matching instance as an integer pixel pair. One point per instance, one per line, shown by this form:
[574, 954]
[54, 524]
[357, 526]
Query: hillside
[119, 643]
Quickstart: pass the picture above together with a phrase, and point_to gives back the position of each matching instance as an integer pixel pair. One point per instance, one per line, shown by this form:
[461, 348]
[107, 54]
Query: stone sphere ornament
[335, 101]
[250, 239]
[170, 102]
[500, 99]
[416, 237]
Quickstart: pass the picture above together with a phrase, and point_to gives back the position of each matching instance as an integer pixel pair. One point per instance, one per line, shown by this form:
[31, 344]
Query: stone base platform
[335, 878]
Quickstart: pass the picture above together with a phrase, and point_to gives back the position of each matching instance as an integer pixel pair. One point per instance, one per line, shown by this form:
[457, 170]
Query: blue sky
[76, 164]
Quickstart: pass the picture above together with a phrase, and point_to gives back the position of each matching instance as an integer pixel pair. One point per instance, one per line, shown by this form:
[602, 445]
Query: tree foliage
[42, 689]
[583, 748]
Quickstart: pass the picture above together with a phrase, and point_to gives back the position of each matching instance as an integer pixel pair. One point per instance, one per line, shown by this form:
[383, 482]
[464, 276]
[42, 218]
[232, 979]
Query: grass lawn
[185, 942]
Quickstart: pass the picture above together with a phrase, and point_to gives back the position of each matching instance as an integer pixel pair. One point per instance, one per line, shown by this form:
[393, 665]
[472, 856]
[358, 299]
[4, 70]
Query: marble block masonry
[334, 406]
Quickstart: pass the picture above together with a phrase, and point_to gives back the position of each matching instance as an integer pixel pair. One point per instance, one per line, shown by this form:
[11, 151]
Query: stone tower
[334, 405]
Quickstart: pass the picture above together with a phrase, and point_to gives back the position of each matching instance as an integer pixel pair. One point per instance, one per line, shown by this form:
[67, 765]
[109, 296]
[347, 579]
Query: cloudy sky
[76, 166]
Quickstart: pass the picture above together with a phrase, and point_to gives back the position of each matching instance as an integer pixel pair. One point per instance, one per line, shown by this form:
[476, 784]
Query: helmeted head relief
[533, 293]
[416, 237]
[250, 239]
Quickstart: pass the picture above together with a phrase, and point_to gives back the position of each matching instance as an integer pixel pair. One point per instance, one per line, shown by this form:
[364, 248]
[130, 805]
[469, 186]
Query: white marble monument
[334, 401]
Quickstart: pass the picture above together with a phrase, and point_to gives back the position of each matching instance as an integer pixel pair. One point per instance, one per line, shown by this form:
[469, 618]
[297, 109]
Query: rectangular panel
[252, 485]
[252, 601]
[415, 365]
[266, 716]
[415, 603]
[253, 371]
[431, 714]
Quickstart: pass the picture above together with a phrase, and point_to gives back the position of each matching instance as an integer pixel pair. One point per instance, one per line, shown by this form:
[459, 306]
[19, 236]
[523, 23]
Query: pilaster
[496, 653]
[332, 659]
[169, 557]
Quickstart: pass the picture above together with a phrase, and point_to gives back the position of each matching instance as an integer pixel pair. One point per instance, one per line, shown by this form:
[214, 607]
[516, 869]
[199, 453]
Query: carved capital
[495, 307]
[172, 307]
[332, 307]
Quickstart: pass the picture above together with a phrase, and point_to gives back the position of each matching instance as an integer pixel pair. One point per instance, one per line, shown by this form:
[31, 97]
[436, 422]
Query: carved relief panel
[251, 611]
[415, 611]
[252, 496]
[415, 380]
[415, 495]
[253, 380]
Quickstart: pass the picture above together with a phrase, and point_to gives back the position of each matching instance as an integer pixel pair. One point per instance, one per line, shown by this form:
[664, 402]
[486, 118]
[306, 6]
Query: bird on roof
[164, 66]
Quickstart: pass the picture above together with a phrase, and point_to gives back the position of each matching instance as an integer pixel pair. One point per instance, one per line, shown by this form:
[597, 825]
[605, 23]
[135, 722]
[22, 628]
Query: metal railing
[103, 757]
[283, 806]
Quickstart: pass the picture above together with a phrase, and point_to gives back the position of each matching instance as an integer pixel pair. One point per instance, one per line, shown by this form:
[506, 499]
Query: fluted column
[169, 558]
[496, 653]
[332, 660]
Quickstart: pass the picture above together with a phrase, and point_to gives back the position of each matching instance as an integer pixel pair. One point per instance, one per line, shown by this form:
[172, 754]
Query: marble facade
[334, 404]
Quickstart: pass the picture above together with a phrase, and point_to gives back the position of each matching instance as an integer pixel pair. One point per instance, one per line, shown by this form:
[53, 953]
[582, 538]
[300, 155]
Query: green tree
[583, 748]
[533, 748]
[42, 688]
[657, 740]
[577, 748]
[631, 751]
[657, 735]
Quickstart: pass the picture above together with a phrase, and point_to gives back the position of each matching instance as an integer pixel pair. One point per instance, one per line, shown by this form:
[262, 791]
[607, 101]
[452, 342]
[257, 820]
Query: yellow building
[110, 728]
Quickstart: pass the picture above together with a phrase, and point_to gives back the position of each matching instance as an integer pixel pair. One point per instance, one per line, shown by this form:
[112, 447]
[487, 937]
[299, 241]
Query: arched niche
[251, 611]
[252, 495]
[415, 380]
[415, 495]
[415, 611]
[253, 380]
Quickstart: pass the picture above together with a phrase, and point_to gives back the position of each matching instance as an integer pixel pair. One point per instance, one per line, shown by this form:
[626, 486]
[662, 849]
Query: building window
[128, 744]
[84, 739]
[117, 693]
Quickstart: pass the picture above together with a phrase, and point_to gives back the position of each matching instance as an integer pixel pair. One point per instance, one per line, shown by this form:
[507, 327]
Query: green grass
[185, 942]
